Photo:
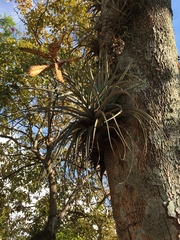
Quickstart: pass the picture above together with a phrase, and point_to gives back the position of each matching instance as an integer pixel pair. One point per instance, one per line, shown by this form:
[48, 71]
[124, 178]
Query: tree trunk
[53, 223]
[144, 189]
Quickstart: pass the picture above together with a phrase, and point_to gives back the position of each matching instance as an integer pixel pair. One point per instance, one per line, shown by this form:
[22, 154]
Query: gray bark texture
[53, 223]
[145, 188]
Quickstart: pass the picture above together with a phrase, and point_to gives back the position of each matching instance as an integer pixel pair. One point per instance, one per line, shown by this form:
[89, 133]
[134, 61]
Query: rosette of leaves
[99, 109]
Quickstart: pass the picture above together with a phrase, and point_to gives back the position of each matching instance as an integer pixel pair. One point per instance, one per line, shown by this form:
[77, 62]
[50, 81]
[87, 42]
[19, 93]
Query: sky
[6, 6]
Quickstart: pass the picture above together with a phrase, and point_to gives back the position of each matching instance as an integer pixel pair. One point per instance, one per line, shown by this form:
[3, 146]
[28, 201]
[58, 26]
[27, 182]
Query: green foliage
[67, 236]
[95, 225]
[7, 27]
[45, 22]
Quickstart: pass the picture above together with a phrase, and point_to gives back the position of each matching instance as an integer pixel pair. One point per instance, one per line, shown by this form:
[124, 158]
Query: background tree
[7, 27]
[31, 126]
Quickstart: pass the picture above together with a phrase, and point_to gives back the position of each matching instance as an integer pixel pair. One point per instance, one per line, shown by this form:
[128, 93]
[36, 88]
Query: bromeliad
[53, 49]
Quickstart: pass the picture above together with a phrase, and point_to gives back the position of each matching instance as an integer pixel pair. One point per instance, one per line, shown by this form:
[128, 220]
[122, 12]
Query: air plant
[52, 55]
[97, 109]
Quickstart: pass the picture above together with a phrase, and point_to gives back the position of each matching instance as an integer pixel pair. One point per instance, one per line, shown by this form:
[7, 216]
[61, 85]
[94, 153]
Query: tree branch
[18, 170]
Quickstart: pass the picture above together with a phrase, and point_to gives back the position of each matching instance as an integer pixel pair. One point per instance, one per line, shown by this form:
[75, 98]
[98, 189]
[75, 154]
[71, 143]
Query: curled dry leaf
[35, 70]
[35, 52]
[58, 72]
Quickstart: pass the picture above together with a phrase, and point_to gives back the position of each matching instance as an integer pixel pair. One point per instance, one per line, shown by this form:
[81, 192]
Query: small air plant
[97, 109]
[52, 56]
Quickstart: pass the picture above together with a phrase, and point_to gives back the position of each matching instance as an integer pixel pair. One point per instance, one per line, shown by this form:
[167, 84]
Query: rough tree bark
[50, 230]
[144, 190]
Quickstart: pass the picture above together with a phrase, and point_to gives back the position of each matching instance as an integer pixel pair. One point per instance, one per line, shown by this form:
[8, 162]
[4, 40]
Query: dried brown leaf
[58, 73]
[36, 52]
[35, 70]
